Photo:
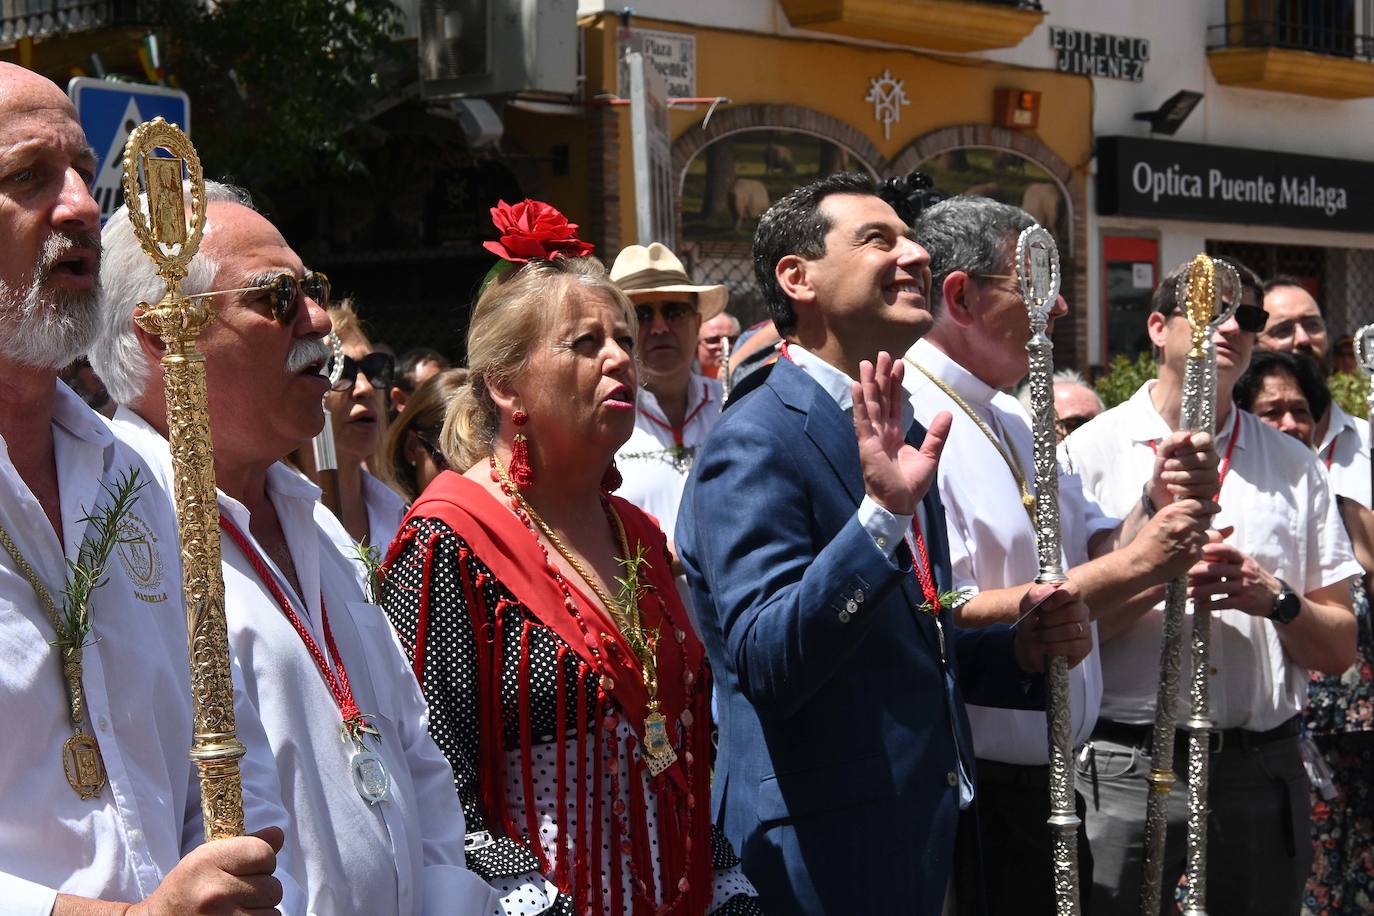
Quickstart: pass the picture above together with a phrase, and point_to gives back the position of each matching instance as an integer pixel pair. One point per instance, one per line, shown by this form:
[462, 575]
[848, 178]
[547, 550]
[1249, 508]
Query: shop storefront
[1160, 202]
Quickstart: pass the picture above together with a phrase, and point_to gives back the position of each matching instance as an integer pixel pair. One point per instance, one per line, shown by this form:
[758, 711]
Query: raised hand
[221, 878]
[896, 474]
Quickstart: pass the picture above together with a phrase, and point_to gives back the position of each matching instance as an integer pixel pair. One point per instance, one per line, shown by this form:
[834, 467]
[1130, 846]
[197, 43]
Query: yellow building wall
[833, 78]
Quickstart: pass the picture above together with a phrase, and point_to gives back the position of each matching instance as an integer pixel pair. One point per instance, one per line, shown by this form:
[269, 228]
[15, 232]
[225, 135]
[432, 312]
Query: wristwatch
[1286, 605]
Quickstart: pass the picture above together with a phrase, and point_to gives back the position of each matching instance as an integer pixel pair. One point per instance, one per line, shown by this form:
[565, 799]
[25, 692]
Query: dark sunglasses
[672, 312]
[1251, 318]
[284, 293]
[378, 368]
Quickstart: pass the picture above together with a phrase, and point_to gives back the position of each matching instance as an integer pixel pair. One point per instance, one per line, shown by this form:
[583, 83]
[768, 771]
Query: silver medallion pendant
[370, 777]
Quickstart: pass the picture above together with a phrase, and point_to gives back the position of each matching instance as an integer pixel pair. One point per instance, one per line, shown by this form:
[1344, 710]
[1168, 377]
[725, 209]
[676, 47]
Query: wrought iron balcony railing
[1329, 27]
[41, 19]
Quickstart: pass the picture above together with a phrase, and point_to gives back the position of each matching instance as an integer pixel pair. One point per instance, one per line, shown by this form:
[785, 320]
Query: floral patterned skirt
[1342, 880]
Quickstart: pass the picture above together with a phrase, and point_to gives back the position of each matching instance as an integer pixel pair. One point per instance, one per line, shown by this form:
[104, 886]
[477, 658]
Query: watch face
[1285, 607]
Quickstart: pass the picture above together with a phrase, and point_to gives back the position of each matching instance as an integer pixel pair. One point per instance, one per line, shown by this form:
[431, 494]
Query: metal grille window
[1343, 278]
[732, 264]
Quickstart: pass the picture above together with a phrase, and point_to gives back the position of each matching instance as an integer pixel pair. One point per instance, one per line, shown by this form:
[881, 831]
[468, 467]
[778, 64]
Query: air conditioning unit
[494, 47]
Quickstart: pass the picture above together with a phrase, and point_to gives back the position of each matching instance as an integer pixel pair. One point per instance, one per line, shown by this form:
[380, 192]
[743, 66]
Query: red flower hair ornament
[532, 229]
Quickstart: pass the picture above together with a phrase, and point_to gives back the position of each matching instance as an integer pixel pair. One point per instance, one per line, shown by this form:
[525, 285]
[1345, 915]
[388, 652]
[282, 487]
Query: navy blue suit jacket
[840, 732]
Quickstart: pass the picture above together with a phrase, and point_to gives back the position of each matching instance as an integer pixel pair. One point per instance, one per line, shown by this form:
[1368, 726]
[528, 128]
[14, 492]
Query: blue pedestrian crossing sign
[109, 112]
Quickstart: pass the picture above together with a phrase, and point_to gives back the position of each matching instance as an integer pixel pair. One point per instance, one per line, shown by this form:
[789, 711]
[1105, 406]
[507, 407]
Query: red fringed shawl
[680, 794]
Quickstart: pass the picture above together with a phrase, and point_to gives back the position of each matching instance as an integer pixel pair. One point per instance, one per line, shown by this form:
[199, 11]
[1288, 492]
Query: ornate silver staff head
[336, 357]
[1229, 291]
[1364, 348]
[1037, 270]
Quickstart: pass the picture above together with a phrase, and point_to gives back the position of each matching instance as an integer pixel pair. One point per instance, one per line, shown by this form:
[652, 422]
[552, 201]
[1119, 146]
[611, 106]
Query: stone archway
[774, 117]
[1071, 331]
[729, 170]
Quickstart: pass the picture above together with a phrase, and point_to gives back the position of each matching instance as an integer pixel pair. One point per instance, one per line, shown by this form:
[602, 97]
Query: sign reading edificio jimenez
[1159, 178]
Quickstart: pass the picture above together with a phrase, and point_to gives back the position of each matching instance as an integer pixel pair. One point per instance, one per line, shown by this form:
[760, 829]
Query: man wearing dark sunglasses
[677, 407]
[387, 840]
[1275, 575]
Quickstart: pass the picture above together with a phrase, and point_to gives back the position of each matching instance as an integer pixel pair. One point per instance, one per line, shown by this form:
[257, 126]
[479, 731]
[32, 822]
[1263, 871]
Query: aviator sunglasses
[379, 369]
[284, 293]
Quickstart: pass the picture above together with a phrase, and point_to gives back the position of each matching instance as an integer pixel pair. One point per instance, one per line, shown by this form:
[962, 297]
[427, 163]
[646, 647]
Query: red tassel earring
[520, 470]
[611, 480]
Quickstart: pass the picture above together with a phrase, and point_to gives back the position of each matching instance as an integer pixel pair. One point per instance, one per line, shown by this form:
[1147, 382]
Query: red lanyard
[922, 564]
[677, 430]
[338, 685]
[1331, 450]
[1226, 461]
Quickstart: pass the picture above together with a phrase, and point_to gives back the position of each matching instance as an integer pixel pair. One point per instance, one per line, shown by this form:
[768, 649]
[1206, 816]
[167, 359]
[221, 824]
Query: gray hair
[968, 234]
[127, 277]
[1062, 377]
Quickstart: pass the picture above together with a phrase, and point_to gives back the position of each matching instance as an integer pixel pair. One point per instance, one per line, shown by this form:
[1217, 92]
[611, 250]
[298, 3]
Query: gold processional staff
[1199, 298]
[171, 238]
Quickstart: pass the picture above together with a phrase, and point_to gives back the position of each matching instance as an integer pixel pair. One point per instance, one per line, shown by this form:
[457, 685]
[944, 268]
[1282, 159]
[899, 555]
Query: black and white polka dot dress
[569, 787]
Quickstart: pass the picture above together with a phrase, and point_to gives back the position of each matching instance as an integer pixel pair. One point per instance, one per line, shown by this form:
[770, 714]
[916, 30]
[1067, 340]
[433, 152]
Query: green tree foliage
[1123, 377]
[280, 88]
[1351, 392]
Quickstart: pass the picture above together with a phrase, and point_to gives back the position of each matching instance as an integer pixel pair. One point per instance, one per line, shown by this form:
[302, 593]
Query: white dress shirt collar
[1151, 427]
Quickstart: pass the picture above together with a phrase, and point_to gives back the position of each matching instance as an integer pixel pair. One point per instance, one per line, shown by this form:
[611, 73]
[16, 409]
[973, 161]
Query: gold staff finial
[170, 234]
[1197, 294]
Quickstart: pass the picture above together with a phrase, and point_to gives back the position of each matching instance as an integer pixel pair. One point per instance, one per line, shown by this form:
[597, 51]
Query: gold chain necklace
[81, 759]
[659, 750]
[1027, 499]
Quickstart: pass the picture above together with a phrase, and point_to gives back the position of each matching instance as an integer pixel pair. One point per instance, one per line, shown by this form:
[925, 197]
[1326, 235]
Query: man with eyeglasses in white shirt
[99, 801]
[377, 825]
[974, 354]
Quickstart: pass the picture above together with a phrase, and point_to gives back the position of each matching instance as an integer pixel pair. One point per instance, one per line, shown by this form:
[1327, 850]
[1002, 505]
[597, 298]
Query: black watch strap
[1286, 605]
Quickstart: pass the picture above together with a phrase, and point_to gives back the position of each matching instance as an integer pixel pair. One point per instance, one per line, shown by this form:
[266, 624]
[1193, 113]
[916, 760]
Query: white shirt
[1344, 451]
[991, 541]
[120, 845]
[1276, 496]
[653, 476]
[385, 510]
[402, 856]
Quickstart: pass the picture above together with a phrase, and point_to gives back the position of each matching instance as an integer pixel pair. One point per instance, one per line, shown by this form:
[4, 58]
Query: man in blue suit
[814, 544]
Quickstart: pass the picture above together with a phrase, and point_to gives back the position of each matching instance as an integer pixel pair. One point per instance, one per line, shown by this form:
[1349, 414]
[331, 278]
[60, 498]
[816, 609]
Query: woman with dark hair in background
[1286, 391]
[410, 456]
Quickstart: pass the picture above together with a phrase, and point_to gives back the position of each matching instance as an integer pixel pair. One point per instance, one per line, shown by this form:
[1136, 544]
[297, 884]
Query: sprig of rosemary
[632, 589]
[953, 599]
[87, 571]
[370, 556]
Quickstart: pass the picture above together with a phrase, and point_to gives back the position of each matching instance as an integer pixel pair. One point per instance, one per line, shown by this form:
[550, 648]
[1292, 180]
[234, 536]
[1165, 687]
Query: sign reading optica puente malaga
[1223, 184]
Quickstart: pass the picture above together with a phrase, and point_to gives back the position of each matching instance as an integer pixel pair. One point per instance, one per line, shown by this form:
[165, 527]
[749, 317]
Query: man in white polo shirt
[973, 354]
[1277, 580]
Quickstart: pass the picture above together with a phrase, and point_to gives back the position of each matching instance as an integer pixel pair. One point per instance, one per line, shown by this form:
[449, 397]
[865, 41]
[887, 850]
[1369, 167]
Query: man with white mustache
[375, 822]
[122, 832]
